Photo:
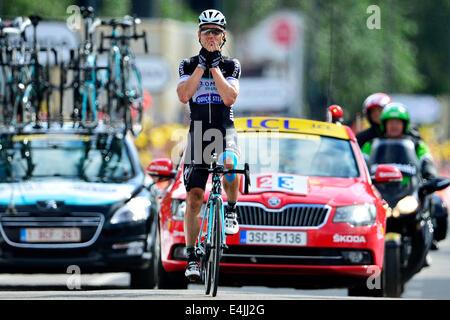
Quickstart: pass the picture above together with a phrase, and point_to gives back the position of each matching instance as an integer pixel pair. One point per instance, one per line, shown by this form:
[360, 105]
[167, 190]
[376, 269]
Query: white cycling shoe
[192, 270]
[231, 223]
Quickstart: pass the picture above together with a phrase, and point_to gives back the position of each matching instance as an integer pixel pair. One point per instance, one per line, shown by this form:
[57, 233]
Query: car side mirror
[433, 185]
[387, 174]
[161, 168]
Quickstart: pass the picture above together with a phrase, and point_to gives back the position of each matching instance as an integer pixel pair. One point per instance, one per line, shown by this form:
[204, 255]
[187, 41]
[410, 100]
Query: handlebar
[135, 36]
[219, 169]
[126, 23]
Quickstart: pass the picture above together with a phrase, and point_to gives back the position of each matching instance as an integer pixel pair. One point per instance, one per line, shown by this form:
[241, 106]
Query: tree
[345, 60]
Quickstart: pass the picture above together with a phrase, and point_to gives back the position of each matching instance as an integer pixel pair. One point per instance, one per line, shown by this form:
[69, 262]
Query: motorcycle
[409, 225]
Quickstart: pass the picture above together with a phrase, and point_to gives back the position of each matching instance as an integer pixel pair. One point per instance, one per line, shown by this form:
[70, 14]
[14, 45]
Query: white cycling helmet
[212, 16]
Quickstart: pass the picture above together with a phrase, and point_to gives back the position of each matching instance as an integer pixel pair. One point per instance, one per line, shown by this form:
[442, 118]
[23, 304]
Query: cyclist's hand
[202, 58]
[214, 59]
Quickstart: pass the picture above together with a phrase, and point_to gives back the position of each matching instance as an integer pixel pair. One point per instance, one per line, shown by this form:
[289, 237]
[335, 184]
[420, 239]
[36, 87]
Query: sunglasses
[214, 31]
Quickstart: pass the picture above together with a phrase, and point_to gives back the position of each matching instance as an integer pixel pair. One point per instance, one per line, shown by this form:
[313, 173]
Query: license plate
[282, 238]
[50, 235]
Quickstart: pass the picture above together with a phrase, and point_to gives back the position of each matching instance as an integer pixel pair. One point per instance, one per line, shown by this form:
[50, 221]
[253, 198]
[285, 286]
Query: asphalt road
[431, 283]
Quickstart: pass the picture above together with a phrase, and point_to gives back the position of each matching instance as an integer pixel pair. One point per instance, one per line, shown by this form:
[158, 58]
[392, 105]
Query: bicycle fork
[210, 215]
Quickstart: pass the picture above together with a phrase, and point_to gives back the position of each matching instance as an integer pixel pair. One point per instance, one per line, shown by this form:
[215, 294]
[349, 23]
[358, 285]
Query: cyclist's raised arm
[189, 80]
[228, 88]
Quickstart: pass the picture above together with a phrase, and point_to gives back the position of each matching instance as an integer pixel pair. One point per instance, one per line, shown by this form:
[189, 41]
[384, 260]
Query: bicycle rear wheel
[212, 266]
[134, 94]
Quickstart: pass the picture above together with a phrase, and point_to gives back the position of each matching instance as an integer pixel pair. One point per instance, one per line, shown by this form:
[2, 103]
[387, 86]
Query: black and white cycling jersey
[206, 105]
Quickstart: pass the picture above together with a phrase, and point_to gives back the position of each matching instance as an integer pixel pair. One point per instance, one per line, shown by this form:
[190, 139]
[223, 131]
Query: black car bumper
[118, 248]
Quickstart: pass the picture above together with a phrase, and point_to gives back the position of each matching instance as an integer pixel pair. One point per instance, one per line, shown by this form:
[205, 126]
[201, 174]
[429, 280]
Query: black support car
[72, 196]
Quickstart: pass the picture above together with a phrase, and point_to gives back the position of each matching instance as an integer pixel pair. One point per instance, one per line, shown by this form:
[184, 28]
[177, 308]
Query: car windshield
[308, 155]
[397, 152]
[401, 154]
[96, 158]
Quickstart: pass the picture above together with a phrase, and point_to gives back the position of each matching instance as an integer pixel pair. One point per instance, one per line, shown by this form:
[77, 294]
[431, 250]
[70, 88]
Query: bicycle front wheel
[212, 267]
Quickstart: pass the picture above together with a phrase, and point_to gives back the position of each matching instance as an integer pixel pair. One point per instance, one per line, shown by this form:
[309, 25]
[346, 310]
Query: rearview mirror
[387, 174]
[433, 185]
[161, 168]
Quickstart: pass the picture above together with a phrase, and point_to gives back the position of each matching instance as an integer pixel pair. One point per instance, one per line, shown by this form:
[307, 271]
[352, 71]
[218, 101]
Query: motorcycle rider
[373, 106]
[395, 124]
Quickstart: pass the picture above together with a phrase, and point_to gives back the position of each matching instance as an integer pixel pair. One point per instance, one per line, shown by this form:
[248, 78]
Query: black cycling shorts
[199, 151]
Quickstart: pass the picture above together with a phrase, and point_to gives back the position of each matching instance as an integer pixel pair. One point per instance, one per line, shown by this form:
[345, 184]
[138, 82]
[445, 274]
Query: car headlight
[178, 209]
[406, 205]
[137, 209]
[357, 215]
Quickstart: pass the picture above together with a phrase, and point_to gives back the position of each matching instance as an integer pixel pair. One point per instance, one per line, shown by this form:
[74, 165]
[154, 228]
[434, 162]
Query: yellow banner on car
[291, 125]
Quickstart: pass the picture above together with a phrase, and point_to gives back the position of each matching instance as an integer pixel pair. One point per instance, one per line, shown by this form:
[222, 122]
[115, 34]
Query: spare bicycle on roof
[89, 92]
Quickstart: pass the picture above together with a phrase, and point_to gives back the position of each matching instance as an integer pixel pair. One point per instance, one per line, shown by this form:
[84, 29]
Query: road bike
[125, 93]
[212, 240]
[86, 83]
[14, 71]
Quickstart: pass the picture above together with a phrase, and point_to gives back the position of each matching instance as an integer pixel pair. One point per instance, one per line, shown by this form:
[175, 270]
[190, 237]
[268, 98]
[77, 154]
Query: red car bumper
[326, 253]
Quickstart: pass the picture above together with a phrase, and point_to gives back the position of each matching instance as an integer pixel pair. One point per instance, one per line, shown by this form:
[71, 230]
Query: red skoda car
[312, 218]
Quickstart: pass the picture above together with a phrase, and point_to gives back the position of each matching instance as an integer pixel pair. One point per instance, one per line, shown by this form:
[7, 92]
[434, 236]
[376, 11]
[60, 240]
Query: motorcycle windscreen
[400, 153]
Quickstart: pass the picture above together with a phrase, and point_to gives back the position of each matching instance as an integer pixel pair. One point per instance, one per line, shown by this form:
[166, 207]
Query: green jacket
[422, 150]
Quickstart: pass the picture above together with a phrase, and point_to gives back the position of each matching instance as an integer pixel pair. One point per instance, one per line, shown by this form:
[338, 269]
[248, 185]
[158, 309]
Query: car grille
[279, 255]
[90, 225]
[298, 215]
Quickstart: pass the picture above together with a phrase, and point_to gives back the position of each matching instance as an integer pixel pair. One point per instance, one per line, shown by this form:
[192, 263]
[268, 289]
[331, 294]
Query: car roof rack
[67, 127]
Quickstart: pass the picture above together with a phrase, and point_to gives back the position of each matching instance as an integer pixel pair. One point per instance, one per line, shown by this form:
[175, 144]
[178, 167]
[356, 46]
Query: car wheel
[373, 289]
[146, 278]
[393, 284]
[167, 280]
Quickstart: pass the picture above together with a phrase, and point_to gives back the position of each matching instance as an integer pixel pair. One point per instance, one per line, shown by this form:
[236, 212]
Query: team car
[312, 217]
[75, 199]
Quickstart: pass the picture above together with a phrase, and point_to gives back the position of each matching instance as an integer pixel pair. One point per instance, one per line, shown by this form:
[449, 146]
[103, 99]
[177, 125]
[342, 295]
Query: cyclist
[209, 82]
[335, 114]
[373, 106]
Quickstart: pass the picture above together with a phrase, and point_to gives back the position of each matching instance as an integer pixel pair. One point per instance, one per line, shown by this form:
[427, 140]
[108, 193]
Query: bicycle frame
[214, 194]
[120, 54]
[209, 215]
[122, 95]
[89, 90]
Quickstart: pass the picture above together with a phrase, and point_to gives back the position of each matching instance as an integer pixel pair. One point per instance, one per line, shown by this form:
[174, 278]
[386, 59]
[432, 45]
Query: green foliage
[365, 60]
[44, 8]
[345, 60]
[51, 9]
[115, 8]
[175, 9]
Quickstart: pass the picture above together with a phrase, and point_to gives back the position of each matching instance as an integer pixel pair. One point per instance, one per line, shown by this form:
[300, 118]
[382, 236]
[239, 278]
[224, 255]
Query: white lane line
[108, 279]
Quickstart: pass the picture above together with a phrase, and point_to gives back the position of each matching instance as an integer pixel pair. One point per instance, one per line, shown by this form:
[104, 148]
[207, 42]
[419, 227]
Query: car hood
[297, 189]
[70, 192]
[317, 190]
